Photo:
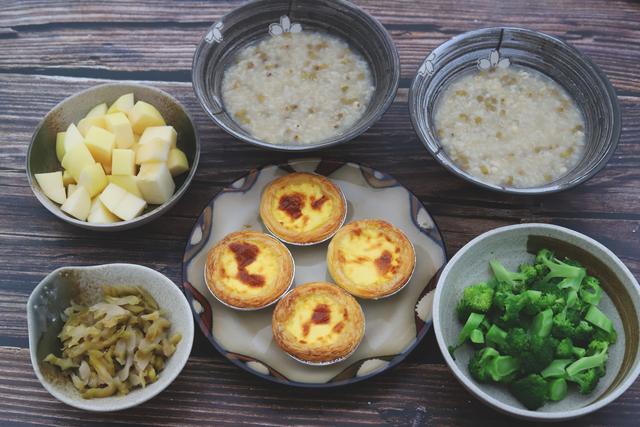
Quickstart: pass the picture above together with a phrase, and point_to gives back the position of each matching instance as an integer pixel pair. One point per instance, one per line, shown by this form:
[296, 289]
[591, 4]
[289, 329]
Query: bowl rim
[144, 395]
[464, 379]
[550, 188]
[350, 134]
[158, 211]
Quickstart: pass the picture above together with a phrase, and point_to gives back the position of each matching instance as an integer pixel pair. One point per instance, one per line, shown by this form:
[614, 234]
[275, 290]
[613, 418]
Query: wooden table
[50, 50]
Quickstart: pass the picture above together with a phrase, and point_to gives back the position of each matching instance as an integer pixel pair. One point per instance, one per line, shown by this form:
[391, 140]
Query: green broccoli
[566, 349]
[556, 369]
[517, 342]
[587, 380]
[542, 323]
[601, 335]
[540, 354]
[571, 275]
[497, 337]
[473, 323]
[475, 299]
[532, 391]
[557, 389]
[596, 358]
[591, 292]
[542, 302]
[488, 365]
[599, 319]
[583, 333]
[525, 274]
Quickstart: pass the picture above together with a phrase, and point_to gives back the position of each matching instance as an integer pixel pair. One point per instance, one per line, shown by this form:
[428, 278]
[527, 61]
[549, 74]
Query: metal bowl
[566, 65]
[251, 22]
[41, 155]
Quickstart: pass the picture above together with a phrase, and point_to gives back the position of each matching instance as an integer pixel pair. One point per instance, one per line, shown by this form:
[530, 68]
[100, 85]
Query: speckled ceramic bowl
[53, 295]
[41, 155]
[514, 245]
[254, 20]
[553, 57]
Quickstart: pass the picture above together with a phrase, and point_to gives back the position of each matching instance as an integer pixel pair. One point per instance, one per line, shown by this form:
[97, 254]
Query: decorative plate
[394, 326]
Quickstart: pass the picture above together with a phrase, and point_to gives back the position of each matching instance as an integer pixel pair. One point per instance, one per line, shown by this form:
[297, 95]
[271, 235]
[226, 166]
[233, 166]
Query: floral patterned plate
[394, 326]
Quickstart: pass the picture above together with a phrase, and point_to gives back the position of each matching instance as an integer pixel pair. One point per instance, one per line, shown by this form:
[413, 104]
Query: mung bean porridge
[513, 127]
[297, 88]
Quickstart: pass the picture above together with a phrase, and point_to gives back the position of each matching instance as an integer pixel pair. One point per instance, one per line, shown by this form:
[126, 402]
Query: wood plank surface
[51, 49]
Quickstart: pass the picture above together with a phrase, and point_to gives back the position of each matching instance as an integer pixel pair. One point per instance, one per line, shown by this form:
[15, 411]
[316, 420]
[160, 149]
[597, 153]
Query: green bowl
[41, 155]
[513, 245]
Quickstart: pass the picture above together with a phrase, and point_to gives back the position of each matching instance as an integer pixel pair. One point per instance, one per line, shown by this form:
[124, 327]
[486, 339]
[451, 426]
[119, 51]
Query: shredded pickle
[115, 345]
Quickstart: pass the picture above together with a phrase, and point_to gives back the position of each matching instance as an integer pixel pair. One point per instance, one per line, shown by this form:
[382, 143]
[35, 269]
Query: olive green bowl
[41, 155]
[513, 245]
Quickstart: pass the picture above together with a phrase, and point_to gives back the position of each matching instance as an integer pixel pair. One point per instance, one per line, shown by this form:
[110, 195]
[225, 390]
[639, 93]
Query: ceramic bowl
[253, 21]
[513, 245]
[41, 155]
[53, 295]
[575, 72]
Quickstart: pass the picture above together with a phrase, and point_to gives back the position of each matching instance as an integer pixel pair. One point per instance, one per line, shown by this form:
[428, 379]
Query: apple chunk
[93, 179]
[127, 182]
[124, 104]
[97, 111]
[165, 133]
[177, 162]
[155, 183]
[72, 138]
[78, 204]
[77, 159]
[60, 145]
[100, 143]
[99, 214]
[154, 151]
[122, 203]
[144, 115]
[52, 186]
[123, 162]
[119, 125]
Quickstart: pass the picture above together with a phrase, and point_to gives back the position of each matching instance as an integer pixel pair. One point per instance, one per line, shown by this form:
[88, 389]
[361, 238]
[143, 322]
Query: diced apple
[122, 203]
[60, 145]
[70, 189]
[72, 138]
[144, 115]
[155, 183]
[119, 125]
[67, 178]
[99, 214]
[154, 151]
[93, 179]
[124, 104]
[127, 182]
[177, 162]
[100, 143]
[97, 111]
[123, 162]
[87, 123]
[78, 204]
[77, 159]
[165, 133]
[52, 186]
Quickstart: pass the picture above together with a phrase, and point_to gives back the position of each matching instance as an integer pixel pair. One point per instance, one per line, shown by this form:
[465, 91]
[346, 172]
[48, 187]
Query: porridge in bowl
[297, 88]
[510, 126]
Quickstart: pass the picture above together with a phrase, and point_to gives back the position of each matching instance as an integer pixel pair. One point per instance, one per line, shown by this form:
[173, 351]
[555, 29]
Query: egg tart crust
[248, 270]
[370, 258]
[302, 208]
[318, 323]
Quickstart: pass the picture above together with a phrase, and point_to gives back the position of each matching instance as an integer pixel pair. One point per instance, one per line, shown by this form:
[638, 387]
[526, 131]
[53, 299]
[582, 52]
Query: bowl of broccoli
[539, 321]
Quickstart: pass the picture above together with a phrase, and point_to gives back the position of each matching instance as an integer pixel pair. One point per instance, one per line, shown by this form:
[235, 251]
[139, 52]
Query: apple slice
[123, 162]
[70, 189]
[154, 151]
[165, 133]
[122, 203]
[93, 179]
[99, 214]
[52, 186]
[78, 204]
[77, 159]
[155, 183]
[87, 123]
[177, 162]
[127, 182]
[97, 111]
[119, 125]
[144, 115]
[72, 138]
[124, 104]
[67, 178]
[60, 145]
[100, 143]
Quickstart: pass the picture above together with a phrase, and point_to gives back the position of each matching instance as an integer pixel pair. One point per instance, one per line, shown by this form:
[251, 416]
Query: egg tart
[248, 270]
[370, 258]
[302, 208]
[318, 323]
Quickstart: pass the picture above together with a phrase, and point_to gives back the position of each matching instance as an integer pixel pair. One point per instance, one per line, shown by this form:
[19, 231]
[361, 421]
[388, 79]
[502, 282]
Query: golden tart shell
[370, 258]
[248, 270]
[303, 208]
[318, 323]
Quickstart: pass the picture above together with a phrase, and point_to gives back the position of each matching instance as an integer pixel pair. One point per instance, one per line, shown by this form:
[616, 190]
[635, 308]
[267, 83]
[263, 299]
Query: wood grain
[51, 49]
[207, 393]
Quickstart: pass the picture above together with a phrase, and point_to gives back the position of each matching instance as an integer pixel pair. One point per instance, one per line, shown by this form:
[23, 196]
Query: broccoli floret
[567, 350]
[587, 380]
[488, 365]
[540, 354]
[591, 292]
[475, 299]
[541, 303]
[596, 347]
[517, 342]
[532, 391]
[571, 275]
[583, 333]
[562, 327]
[601, 335]
[525, 274]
